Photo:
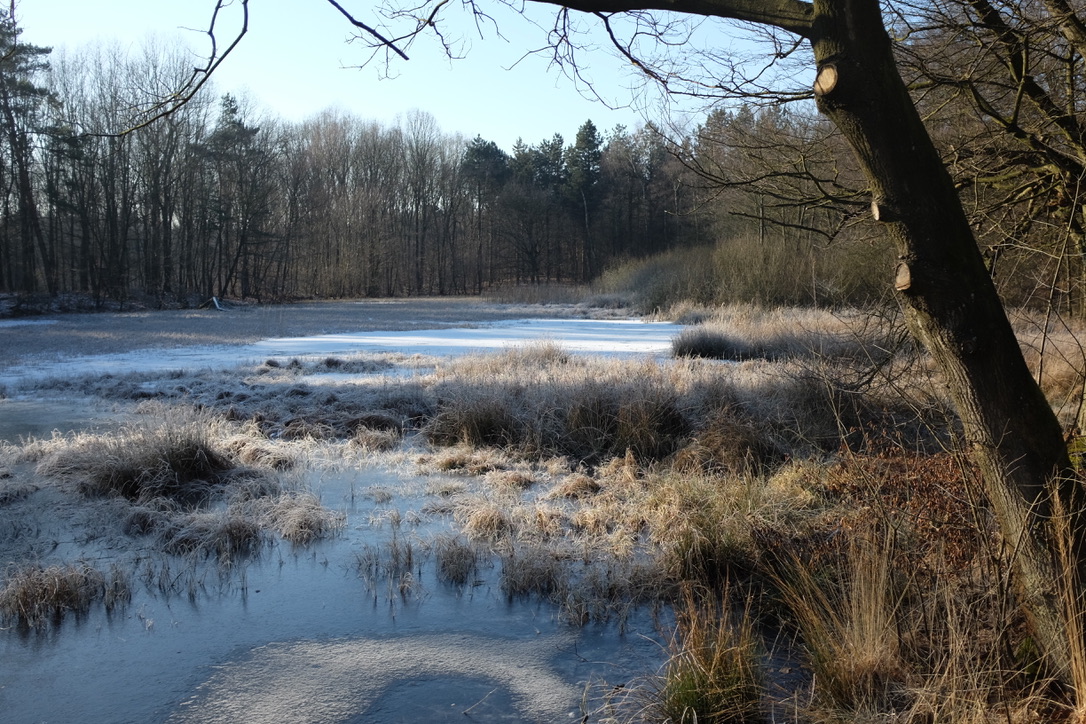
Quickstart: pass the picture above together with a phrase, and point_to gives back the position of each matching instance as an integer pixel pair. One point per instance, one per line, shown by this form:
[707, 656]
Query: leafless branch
[391, 45]
[200, 75]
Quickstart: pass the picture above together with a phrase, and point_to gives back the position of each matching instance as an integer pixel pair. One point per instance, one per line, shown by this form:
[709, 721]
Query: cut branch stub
[903, 279]
[882, 211]
[826, 80]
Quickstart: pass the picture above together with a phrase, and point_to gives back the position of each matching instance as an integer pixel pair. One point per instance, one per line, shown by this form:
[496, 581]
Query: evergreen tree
[26, 260]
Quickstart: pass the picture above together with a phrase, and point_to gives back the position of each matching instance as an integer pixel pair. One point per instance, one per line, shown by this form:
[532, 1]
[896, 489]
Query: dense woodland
[759, 201]
[212, 200]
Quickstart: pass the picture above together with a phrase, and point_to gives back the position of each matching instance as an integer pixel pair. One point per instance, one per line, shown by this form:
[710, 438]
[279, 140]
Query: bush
[745, 269]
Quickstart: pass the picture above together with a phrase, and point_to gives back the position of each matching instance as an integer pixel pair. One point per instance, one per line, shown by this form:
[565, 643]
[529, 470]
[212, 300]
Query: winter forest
[213, 200]
[756, 201]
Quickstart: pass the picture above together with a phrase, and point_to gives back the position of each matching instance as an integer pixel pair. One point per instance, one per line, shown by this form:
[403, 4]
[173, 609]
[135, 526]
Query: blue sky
[294, 63]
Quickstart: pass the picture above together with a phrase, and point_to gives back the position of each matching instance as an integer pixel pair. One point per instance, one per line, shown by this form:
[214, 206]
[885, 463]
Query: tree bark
[951, 305]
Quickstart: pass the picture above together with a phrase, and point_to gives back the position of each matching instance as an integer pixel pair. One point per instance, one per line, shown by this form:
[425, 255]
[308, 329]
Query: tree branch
[381, 39]
[200, 75]
[794, 16]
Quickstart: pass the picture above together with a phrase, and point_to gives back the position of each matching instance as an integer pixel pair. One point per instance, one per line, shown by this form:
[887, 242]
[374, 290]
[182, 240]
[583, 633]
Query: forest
[213, 200]
[760, 201]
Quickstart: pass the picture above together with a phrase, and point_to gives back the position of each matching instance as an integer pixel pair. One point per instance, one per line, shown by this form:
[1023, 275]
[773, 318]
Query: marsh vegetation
[793, 506]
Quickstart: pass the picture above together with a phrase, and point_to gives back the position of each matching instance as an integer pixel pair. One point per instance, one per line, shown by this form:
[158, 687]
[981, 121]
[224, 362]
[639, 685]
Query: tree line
[217, 200]
[213, 201]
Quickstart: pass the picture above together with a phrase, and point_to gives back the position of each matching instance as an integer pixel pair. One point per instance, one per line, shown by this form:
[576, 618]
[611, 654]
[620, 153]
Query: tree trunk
[951, 305]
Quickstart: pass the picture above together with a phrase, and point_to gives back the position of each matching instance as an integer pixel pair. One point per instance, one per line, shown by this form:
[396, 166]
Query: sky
[295, 62]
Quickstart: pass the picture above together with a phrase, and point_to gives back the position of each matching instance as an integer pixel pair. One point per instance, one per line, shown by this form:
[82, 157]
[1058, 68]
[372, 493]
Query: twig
[465, 712]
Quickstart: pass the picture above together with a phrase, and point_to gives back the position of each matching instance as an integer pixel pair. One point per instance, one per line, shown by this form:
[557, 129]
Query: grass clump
[488, 522]
[173, 460]
[533, 571]
[576, 486]
[35, 596]
[300, 518]
[849, 625]
[227, 535]
[709, 343]
[728, 442]
[713, 674]
[457, 560]
[474, 421]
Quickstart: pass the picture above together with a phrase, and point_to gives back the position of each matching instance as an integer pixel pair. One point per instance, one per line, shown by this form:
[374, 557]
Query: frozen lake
[611, 337]
[305, 634]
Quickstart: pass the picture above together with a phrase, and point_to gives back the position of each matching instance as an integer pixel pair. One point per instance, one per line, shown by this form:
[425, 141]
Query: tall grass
[35, 596]
[713, 673]
[849, 623]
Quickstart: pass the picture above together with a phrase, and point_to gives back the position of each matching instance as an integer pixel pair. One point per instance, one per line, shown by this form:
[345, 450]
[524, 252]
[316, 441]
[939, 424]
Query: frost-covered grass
[35, 596]
[811, 486]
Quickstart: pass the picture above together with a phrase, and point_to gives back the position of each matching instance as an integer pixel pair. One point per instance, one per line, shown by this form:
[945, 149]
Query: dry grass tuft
[489, 522]
[851, 628]
[304, 429]
[254, 451]
[713, 343]
[376, 440]
[510, 480]
[446, 488]
[467, 460]
[575, 486]
[713, 674]
[174, 460]
[227, 535]
[652, 427]
[534, 571]
[300, 518]
[745, 332]
[478, 420]
[729, 442]
[457, 560]
[1055, 350]
[12, 490]
[34, 596]
[536, 355]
